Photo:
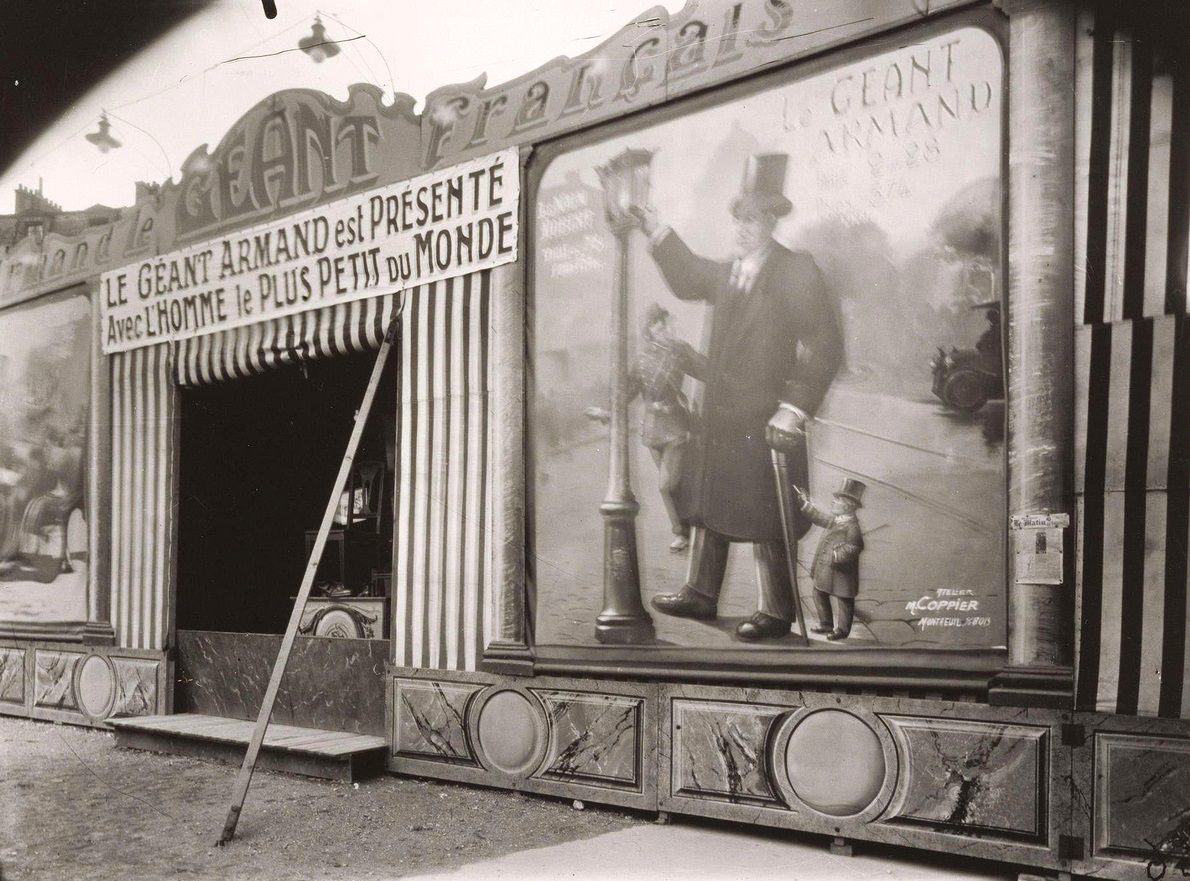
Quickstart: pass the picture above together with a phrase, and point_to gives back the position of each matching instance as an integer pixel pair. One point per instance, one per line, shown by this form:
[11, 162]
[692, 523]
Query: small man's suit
[835, 570]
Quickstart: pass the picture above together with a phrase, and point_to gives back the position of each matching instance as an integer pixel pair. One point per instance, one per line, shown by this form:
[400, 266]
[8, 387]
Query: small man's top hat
[764, 186]
[852, 489]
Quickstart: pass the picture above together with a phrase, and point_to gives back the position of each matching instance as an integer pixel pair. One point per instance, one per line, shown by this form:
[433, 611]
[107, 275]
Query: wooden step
[331, 755]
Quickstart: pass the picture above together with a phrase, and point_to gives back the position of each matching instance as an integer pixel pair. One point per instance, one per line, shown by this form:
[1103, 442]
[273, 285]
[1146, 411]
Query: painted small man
[836, 562]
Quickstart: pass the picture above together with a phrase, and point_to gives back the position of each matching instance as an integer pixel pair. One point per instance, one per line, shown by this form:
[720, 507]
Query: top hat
[852, 489]
[764, 185]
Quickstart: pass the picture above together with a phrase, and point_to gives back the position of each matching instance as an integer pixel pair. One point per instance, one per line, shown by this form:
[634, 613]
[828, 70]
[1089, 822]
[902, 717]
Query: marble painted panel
[136, 687]
[430, 720]
[55, 680]
[335, 684]
[718, 751]
[12, 676]
[1142, 796]
[594, 738]
[344, 617]
[970, 776]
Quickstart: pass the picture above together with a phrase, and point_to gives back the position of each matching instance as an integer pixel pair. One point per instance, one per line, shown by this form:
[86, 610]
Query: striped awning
[356, 326]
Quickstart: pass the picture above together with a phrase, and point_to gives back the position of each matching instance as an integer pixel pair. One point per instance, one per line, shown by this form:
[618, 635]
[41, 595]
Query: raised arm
[812, 512]
[693, 362]
[688, 276]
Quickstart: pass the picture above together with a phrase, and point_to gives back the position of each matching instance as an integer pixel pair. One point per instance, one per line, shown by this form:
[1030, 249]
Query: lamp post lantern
[623, 621]
[103, 139]
[317, 45]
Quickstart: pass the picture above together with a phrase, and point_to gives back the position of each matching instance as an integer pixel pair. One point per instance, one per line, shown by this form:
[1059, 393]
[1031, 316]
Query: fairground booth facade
[787, 421]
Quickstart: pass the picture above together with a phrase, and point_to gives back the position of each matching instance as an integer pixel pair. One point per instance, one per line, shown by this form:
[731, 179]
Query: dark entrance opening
[258, 459]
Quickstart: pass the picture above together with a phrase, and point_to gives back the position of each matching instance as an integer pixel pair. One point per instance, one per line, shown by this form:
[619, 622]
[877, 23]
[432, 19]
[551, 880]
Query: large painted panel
[54, 680]
[561, 737]
[430, 720]
[807, 247]
[12, 676]
[135, 687]
[954, 776]
[87, 686]
[45, 355]
[335, 684]
[1142, 805]
[979, 776]
[594, 738]
[719, 751]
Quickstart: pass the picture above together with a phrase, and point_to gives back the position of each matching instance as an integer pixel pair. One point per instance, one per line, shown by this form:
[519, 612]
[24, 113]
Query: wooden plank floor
[284, 738]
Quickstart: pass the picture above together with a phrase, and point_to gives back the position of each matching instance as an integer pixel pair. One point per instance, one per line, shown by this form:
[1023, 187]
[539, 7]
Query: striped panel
[1132, 195]
[144, 402]
[442, 568]
[1084, 110]
[1132, 479]
[355, 326]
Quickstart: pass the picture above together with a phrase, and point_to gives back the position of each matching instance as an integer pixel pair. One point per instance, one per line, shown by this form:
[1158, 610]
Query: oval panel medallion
[835, 762]
[338, 623]
[511, 732]
[95, 686]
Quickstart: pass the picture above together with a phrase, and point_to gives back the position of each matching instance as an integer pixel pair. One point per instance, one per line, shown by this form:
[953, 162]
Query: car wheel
[965, 391]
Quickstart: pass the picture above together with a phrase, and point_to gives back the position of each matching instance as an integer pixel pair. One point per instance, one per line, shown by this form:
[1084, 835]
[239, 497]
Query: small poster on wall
[767, 407]
[45, 357]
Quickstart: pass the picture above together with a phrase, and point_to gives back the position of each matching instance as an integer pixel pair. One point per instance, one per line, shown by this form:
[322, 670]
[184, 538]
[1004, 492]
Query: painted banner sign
[454, 221]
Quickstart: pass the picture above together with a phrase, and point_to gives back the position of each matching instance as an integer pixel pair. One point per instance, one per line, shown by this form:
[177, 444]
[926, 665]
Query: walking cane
[788, 521]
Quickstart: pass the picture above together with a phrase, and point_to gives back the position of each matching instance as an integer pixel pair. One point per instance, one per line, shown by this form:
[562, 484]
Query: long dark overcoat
[777, 342]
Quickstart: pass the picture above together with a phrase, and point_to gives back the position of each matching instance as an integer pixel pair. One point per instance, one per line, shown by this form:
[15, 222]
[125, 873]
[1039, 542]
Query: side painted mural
[768, 365]
[45, 355]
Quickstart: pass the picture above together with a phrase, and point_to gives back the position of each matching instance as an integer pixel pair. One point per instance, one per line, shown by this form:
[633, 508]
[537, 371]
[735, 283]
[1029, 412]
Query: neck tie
[739, 277]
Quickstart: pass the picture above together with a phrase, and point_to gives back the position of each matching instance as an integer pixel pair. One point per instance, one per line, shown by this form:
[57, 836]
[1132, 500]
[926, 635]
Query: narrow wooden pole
[244, 780]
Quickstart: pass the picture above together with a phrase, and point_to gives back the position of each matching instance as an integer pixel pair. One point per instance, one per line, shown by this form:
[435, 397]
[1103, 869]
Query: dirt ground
[72, 806]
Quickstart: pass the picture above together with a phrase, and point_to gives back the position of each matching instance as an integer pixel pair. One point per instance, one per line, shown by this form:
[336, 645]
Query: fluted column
[509, 651]
[1041, 109]
[98, 628]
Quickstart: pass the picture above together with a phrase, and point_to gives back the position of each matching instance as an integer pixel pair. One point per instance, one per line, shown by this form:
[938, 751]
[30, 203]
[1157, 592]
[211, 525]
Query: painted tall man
[774, 349]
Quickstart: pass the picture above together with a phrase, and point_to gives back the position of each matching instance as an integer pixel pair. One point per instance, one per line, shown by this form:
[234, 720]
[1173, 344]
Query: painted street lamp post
[623, 620]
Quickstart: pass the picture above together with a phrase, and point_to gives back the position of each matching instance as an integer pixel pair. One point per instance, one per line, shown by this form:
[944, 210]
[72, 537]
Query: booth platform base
[330, 755]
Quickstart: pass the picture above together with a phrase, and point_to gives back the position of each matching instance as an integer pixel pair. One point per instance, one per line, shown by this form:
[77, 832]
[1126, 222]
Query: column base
[618, 629]
[98, 633]
[623, 620]
[1048, 687]
[509, 658]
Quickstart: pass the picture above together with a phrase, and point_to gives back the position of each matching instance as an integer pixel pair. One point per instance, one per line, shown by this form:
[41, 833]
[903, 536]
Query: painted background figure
[836, 562]
[774, 349]
[666, 424]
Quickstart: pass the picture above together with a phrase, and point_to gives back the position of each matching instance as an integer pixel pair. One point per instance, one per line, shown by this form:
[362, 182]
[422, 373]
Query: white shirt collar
[745, 269]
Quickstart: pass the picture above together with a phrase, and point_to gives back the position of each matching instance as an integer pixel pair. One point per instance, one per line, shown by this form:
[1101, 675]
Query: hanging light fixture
[316, 45]
[102, 139]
